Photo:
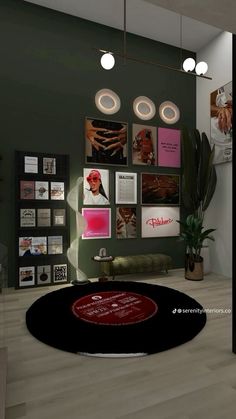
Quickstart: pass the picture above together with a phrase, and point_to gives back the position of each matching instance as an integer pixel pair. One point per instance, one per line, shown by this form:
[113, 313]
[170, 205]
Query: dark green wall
[49, 74]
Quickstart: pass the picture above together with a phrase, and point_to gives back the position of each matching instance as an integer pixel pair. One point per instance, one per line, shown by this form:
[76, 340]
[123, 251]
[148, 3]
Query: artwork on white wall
[160, 221]
[221, 123]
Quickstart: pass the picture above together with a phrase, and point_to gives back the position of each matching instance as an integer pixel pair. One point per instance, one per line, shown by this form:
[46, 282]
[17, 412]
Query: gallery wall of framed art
[45, 113]
[140, 200]
[42, 219]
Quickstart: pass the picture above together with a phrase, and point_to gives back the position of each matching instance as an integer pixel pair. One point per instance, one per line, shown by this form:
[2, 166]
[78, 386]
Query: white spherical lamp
[201, 68]
[189, 64]
[107, 61]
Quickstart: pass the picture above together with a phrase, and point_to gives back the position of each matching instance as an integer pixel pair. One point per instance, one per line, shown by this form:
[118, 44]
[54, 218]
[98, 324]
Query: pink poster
[99, 223]
[168, 147]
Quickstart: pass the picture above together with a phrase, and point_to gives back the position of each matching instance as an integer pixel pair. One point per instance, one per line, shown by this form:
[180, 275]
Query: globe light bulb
[189, 64]
[201, 68]
[107, 61]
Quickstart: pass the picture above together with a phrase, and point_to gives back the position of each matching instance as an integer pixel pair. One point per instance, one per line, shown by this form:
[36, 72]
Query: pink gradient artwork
[99, 223]
[169, 147]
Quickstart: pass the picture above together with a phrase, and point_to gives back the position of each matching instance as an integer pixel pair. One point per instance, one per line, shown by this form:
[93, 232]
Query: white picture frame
[98, 223]
[160, 222]
[96, 191]
[126, 188]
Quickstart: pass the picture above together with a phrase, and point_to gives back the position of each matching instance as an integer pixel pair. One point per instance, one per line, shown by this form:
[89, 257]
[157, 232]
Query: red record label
[114, 308]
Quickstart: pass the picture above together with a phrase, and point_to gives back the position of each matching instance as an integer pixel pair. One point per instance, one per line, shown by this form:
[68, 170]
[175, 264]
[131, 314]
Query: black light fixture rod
[181, 42]
[124, 37]
[138, 60]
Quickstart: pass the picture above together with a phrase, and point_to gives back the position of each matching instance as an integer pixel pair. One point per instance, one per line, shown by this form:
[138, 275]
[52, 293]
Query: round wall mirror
[169, 112]
[144, 108]
[107, 101]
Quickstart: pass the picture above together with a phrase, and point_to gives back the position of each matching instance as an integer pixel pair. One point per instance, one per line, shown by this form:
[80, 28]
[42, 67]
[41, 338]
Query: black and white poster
[60, 273]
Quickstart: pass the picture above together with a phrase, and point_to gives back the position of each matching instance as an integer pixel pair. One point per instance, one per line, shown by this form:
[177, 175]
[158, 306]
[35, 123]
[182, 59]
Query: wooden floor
[196, 380]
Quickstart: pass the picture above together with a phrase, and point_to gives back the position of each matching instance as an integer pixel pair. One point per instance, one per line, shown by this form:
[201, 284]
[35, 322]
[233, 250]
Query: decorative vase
[193, 270]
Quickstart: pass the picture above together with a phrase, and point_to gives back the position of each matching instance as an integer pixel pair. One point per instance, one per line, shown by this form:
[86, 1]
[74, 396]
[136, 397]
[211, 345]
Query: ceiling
[146, 18]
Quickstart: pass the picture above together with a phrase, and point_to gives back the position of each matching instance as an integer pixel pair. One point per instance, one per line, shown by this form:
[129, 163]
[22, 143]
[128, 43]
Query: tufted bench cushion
[151, 262]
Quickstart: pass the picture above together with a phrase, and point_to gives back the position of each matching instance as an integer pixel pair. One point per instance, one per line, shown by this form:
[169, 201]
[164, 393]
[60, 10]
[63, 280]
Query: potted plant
[198, 186]
[193, 234]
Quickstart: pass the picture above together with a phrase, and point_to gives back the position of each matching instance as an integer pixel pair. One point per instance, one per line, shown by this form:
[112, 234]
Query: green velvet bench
[151, 262]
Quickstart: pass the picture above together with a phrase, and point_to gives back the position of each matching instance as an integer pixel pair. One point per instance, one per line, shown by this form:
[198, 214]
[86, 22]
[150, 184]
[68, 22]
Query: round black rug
[115, 318]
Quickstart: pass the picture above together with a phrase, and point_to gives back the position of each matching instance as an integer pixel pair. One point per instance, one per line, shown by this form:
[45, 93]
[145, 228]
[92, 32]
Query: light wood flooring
[196, 380]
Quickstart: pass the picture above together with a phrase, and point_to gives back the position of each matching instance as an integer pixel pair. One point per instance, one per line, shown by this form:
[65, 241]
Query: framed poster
[27, 217]
[99, 223]
[55, 245]
[49, 165]
[26, 276]
[41, 190]
[57, 190]
[221, 123]
[144, 145]
[126, 223]
[169, 146]
[59, 217]
[27, 189]
[160, 189]
[126, 188]
[96, 187]
[43, 217]
[32, 246]
[106, 142]
[60, 273]
[160, 221]
[30, 164]
[43, 274]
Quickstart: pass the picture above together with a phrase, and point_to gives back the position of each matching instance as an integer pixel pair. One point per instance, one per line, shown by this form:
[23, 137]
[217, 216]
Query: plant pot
[193, 269]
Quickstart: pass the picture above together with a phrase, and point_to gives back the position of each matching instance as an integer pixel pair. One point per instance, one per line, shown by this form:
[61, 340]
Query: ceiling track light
[108, 61]
[189, 64]
[140, 61]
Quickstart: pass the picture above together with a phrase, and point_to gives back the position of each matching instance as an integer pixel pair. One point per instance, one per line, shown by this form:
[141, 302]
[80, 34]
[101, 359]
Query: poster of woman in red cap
[96, 187]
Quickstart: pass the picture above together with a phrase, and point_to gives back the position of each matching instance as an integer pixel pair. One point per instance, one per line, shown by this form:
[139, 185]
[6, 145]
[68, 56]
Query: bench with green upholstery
[151, 262]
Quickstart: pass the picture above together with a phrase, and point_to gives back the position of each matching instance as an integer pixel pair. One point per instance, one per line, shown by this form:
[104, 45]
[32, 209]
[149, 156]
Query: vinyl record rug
[115, 318]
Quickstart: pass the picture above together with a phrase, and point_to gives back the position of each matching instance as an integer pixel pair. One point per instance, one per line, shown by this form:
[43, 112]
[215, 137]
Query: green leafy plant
[199, 174]
[193, 235]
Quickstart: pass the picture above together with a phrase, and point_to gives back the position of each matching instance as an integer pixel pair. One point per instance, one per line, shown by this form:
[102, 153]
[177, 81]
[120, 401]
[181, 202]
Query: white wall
[218, 55]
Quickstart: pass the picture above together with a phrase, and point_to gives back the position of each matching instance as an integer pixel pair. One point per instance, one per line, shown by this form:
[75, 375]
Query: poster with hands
[106, 142]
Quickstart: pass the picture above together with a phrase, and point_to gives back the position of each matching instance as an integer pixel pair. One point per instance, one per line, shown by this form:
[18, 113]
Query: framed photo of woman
[96, 187]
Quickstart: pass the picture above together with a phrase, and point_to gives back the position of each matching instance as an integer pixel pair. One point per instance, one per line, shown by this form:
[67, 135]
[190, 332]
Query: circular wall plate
[107, 101]
[169, 112]
[144, 108]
